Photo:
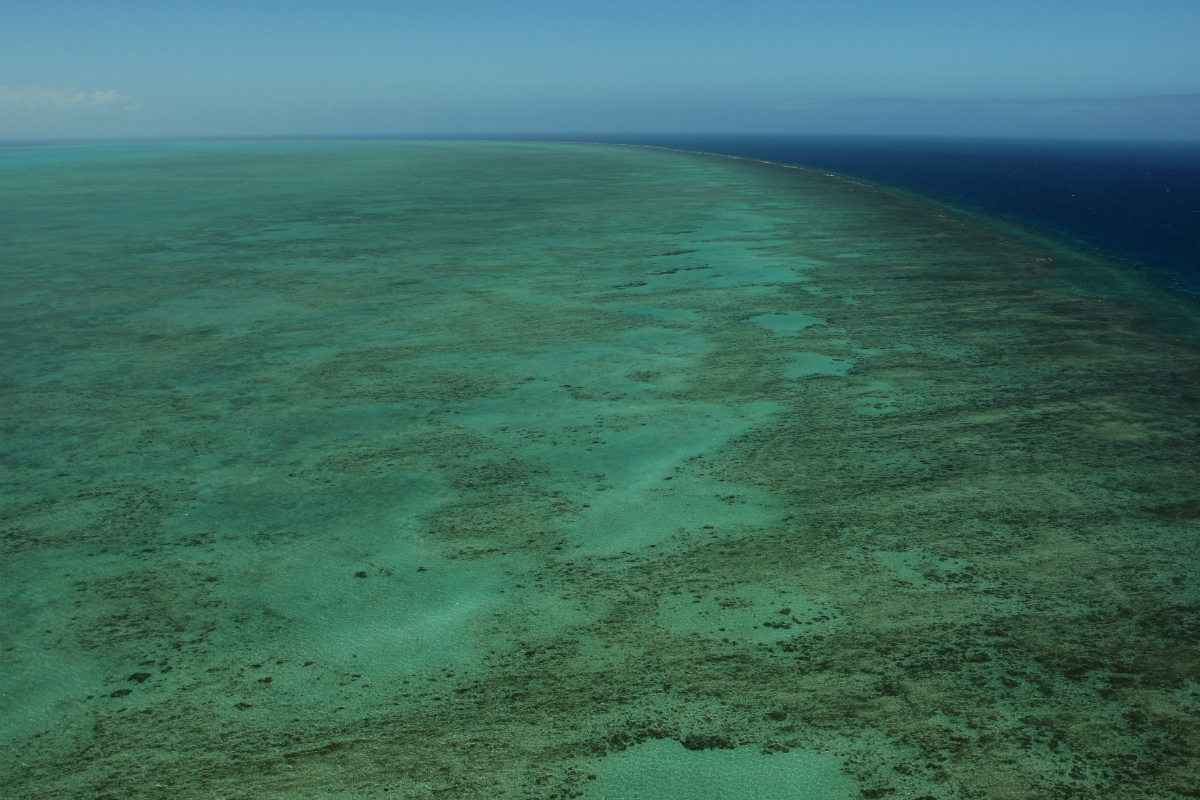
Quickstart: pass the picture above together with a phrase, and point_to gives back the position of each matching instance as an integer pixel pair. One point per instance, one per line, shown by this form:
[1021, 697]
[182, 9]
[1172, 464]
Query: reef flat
[497, 470]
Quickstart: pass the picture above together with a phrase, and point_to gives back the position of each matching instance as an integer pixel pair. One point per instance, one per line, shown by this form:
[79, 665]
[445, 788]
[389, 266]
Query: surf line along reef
[449, 469]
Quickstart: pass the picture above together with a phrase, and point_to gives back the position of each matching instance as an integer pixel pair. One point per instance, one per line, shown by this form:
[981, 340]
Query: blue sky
[1107, 68]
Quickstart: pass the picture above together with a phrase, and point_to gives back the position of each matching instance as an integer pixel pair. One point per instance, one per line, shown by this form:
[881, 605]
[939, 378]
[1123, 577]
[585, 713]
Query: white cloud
[45, 97]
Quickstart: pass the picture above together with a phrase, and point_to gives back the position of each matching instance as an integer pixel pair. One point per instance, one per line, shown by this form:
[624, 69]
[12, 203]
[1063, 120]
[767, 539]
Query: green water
[463, 470]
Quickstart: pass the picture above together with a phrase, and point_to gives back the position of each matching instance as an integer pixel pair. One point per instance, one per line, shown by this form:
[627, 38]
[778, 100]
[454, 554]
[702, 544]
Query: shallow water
[396, 469]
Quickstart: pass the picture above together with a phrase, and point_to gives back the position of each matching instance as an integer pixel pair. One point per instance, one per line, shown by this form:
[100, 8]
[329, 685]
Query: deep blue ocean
[1136, 201]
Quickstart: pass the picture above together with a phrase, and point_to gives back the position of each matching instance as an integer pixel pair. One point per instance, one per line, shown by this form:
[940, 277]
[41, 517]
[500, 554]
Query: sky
[1040, 68]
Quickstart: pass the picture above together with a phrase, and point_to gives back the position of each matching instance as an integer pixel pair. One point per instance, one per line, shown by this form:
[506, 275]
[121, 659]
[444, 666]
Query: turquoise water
[398, 469]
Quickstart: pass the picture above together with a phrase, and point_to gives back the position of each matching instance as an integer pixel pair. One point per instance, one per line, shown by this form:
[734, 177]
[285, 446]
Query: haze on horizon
[1096, 69]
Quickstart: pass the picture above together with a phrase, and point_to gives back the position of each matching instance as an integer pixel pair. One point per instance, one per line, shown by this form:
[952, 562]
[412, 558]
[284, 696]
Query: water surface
[480, 470]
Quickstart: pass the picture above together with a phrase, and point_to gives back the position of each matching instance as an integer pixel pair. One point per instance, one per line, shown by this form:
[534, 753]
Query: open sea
[519, 470]
[1137, 201]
